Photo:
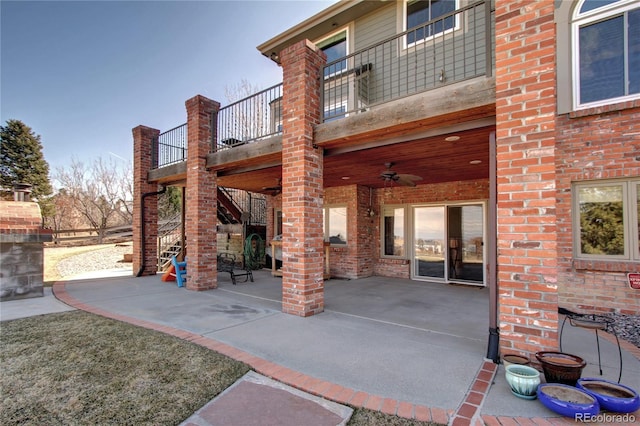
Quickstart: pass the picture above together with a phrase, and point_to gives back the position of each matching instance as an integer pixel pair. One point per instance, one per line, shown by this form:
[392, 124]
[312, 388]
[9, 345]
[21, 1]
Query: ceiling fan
[275, 190]
[390, 176]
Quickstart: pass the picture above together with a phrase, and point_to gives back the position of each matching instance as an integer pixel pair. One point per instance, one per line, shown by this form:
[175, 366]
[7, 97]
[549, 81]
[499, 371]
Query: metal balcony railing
[253, 118]
[170, 147]
[454, 47]
[253, 204]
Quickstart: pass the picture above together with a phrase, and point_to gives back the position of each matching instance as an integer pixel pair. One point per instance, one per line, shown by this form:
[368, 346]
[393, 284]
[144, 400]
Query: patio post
[526, 176]
[302, 184]
[145, 203]
[201, 197]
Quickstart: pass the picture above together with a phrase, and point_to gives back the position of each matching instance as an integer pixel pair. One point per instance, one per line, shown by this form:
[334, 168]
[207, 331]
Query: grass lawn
[83, 369]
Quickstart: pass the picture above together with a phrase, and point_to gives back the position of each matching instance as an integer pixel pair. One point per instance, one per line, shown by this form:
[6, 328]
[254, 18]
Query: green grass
[76, 368]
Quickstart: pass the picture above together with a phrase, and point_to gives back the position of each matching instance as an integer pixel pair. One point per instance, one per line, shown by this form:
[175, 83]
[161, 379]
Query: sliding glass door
[429, 248]
[448, 243]
[466, 243]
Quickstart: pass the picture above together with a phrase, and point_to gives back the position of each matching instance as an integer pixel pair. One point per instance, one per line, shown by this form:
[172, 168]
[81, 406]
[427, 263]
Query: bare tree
[64, 215]
[101, 193]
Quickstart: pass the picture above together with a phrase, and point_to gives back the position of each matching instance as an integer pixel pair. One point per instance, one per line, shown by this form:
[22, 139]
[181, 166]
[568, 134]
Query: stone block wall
[21, 250]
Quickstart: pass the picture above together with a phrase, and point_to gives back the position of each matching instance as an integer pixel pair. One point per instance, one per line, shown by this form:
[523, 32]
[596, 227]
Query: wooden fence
[81, 237]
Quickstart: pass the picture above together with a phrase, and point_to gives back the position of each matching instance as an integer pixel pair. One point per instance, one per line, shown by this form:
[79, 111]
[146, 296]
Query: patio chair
[180, 271]
[227, 263]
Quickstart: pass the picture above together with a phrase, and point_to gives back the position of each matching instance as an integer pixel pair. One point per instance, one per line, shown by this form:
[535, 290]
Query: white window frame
[579, 20]
[629, 217]
[326, 217]
[405, 228]
[405, 45]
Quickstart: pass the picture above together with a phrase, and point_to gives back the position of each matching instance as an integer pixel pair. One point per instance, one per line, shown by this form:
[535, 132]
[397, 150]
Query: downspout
[142, 230]
[493, 347]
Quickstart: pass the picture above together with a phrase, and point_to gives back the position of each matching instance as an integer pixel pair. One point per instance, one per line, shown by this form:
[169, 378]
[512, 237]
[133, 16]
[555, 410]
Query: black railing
[170, 147]
[454, 47]
[253, 118]
[253, 204]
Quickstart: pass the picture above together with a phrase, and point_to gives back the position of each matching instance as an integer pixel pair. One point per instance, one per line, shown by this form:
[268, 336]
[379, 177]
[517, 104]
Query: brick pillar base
[302, 186]
[145, 234]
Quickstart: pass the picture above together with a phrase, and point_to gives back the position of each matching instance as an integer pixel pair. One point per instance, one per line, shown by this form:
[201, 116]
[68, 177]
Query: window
[393, 231]
[335, 47]
[606, 219]
[335, 111]
[277, 222]
[606, 50]
[335, 225]
[419, 12]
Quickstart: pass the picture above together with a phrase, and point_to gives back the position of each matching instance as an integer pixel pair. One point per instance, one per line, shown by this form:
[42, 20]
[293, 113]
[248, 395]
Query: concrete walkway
[402, 347]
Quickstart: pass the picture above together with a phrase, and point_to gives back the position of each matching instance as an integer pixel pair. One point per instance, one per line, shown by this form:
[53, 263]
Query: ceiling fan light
[452, 138]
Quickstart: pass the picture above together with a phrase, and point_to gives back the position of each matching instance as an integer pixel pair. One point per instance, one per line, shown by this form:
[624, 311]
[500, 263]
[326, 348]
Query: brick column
[201, 200]
[302, 190]
[526, 194]
[145, 237]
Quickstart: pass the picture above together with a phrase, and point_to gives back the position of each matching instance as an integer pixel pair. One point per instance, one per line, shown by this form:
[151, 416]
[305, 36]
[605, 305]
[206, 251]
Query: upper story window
[606, 220]
[606, 52]
[335, 47]
[419, 12]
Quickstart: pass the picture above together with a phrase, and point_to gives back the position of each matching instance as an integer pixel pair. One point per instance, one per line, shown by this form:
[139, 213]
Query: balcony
[448, 50]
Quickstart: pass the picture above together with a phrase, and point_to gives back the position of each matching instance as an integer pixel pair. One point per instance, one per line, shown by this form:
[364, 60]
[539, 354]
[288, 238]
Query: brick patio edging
[467, 414]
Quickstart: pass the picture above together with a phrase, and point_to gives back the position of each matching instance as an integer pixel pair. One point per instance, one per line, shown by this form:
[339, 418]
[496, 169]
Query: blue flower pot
[567, 400]
[611, 396]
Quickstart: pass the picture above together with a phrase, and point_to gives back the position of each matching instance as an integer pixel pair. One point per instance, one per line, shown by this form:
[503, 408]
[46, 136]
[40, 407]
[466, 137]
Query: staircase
[169, 241]
[228, 212]
[232, 206]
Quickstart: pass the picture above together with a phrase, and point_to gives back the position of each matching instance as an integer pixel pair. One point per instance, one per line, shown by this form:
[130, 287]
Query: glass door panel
[466, 244]
[429, 242]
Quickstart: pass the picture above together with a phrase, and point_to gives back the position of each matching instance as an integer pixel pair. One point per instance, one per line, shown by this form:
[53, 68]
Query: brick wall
[355, 260]
[143, 139]
[361, 257]
[525, 153]
[600, 143]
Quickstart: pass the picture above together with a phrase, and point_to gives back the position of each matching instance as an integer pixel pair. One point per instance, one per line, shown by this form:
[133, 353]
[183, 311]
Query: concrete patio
[395, 345]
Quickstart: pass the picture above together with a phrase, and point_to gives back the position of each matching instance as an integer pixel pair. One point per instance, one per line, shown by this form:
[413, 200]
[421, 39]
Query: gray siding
[375, 27]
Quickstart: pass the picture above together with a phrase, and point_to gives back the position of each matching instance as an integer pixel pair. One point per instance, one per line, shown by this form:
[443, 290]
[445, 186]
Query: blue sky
[82, 74]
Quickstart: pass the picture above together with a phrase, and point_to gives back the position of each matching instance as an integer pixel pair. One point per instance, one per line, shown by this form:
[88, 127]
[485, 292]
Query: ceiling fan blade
[407, 180]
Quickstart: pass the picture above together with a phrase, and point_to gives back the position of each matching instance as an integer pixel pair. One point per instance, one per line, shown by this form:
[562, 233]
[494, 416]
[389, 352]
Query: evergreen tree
[22, 161]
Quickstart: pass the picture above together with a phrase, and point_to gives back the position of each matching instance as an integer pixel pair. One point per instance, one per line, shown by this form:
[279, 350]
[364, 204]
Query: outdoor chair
[180, 271]
[227, 263]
